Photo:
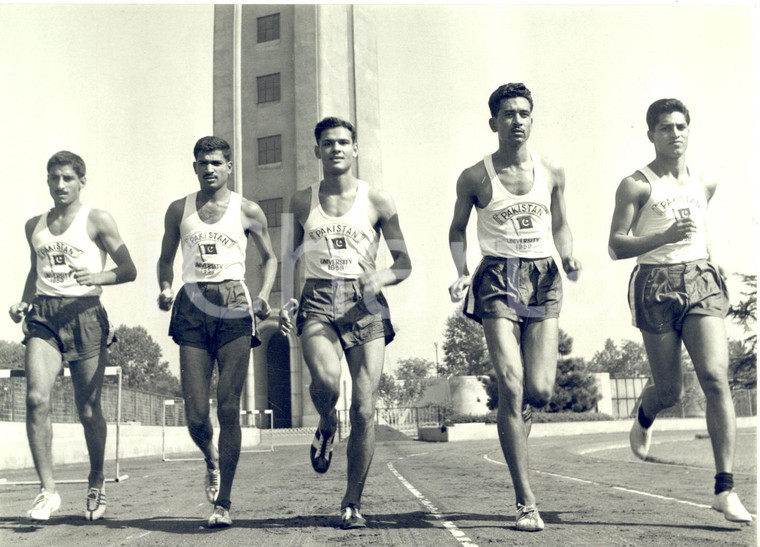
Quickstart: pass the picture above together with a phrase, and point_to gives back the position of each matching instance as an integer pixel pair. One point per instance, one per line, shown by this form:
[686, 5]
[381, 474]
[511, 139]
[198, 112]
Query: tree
[464, 351]
[139, 357]
[627, 361]
[11, 354]
[408, 383]
[743, 354]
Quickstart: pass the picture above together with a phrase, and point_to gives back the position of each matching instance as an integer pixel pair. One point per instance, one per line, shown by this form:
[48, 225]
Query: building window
[273, 210]
[268, 88]
[270, 150]
[268, 28]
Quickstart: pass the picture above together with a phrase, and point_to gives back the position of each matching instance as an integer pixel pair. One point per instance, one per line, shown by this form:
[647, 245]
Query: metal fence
[407, 420]
[625, 394]
[136, 406]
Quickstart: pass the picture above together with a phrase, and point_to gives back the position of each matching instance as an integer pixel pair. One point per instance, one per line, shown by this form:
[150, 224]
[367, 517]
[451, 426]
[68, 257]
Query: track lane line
[613, 487]
[460, 536]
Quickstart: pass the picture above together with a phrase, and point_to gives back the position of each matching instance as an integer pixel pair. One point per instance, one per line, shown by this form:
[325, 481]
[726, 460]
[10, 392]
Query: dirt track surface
[591, 491]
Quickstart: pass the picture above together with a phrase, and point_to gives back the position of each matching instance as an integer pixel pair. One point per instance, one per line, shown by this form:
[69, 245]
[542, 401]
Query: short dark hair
[665, 106]
[64, 157]
[508, 91]
[209, 144]
[331, 123]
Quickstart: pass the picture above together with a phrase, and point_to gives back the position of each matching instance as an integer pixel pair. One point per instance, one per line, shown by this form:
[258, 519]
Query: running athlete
[212, 317]
[516, 291]
[64, 320]
[677, 293]
[342, 311]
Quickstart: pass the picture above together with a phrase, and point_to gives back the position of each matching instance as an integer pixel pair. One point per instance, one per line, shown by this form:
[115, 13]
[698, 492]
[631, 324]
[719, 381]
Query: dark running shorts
[519, 289]
[662, 295]
[76, 326]
[209, 315]
[339, 303]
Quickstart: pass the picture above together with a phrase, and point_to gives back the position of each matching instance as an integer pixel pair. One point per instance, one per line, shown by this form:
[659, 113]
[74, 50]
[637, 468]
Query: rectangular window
[270, 150]
[268, 28]
[268, 88]
[273, 210]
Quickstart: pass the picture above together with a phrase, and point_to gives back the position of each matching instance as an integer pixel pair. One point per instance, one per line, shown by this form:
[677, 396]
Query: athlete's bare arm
[18, 311]
[169, 246]
[102, 229]
[563, 238]
[710, 185]
[630, 197]
[467, 189]
[255, 225]
[388, 222]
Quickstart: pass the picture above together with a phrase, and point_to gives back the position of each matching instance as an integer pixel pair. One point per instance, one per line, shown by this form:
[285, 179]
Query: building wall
[326, 56]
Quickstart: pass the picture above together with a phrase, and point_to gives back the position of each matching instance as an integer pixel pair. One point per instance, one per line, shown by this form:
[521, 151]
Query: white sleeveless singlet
[57, 255]
[517, 226]
[668, 201]
[213, 252]
[341, 247]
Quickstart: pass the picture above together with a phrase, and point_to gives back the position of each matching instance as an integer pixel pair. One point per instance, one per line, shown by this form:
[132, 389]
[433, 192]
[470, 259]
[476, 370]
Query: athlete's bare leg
[196, 367]
[503, 341]
[233, 359]
[664, 355]
[43, 364]
[87, 377]
[365, 362]
[540, 344]
[322, 352]
[705, 340]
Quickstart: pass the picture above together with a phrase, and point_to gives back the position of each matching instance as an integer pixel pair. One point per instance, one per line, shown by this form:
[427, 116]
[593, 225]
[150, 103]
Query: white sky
[129, 87]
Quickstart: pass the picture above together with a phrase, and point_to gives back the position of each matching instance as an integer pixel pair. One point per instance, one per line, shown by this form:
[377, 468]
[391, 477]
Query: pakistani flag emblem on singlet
[58, 260]
[339, 243]
[524, 222]
[207, 249]
[684, 213]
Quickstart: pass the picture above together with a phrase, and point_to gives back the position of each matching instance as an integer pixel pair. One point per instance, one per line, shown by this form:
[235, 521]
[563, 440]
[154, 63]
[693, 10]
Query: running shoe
[96, 503]
[640, 439]
[352, 518]
[728, 503]
[220, 518]
[321, 450]
[44, 504]
[528, 519]
[212, 484]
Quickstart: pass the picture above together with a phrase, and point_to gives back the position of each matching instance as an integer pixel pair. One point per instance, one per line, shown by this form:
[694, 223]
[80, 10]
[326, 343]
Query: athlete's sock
[723, 482]
[645, 422]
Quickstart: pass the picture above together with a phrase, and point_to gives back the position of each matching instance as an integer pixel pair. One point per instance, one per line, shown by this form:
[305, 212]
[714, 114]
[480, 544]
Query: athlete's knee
[538, 397]
[362, 413]
[37, 401]
[714, 384]
[90, 413]
[229, 413]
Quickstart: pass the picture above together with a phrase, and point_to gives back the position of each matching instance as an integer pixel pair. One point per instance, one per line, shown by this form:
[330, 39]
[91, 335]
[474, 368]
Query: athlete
[677, 293]
[516, 291]
[212, 317]
[342, 311]
[64, 320]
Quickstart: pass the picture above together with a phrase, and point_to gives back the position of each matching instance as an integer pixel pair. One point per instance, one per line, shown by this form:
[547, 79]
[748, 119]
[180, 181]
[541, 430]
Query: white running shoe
[96, 503]
[641, 439]
[728, 503]
[44, 504]
[528, 519]
[212, 484]
[220, 518]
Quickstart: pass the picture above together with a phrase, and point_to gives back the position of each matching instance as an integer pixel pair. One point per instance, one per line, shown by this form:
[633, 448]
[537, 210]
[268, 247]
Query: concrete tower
[278, 70]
